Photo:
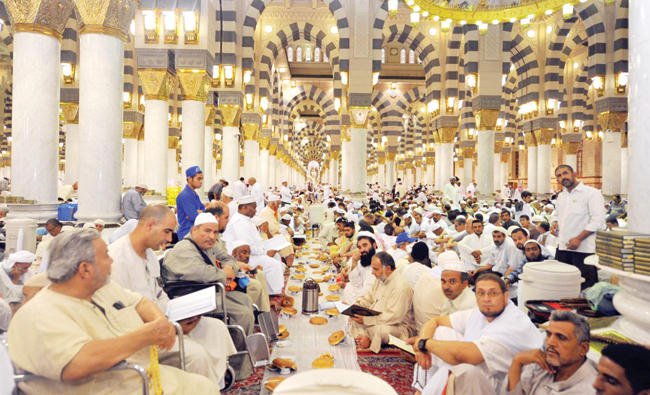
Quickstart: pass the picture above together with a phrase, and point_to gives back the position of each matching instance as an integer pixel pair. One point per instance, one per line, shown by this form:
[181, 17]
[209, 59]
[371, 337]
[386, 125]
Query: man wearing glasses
[475, 345]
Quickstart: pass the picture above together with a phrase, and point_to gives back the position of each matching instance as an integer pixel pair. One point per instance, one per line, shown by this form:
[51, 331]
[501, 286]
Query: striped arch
[424, 50]
[452, 63]
[289, 34]
[524, 58]
[228, 40]
[315, 146]
[509, 106]
[310, 92]
[391, 111]
[257, 7]
[620, 37]
[581, 103]
[381, 14]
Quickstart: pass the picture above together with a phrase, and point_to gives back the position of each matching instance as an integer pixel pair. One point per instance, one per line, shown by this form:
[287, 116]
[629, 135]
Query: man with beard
[475, 345]
[581, 212]
[561, 367]
[344, 244]
[390, 295]
[502, 257]
[475, 247]
[533, 252]
[358, 274]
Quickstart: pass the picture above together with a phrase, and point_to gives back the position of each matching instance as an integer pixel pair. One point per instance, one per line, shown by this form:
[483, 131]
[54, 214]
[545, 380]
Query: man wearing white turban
[13, 274]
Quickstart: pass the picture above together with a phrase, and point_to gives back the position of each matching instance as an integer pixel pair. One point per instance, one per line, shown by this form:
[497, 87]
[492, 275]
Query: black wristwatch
[422, 345]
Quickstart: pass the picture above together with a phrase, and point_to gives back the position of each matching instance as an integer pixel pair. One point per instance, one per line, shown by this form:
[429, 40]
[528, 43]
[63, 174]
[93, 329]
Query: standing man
[285, 194]
[132, 201]
[581, 212]
[257, 193]
[215, 191]
[188, 203]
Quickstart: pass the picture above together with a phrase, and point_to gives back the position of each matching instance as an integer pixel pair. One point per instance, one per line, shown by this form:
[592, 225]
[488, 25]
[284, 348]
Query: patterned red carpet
[390, 365]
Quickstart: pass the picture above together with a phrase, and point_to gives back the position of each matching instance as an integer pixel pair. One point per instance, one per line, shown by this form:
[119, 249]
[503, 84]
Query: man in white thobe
[242, 227]
[358, 270]
[475, 248]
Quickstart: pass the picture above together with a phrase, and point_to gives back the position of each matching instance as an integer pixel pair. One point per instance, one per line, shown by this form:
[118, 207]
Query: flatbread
[323, 362]
[336, 337]
[289, 311]
[332, 312]
[272, 383]
[318, 320]
[333, 298]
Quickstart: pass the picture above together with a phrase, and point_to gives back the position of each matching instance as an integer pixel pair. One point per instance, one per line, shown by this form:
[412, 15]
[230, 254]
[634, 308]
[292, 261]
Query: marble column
[156, 135]
[430, 173]
[381, 171]
[571, 154]
[130, 173]
[446, 162]
[504, 171]
[624, 169]
[35, 100]
[531, 169]
[264, 163]
[611, 163]
[390, 169]
[208, 161]
[71, 130]
[485, 171]
[334, 168]
[357, 155]
[498, 180]
[273, 165]
[345, 164]
[544, 168]
[140, 158]
[231, 115]
[251, 133]
[173, 178]
[438, 183]
[101, 49]
[468, 165]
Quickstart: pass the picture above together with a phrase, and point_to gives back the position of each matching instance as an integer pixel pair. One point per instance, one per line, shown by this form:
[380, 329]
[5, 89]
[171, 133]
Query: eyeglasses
[491, 294]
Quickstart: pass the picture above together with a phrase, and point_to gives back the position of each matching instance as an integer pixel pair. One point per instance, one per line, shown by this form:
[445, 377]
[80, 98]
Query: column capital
[230, 114]
[544, 136]
[486, 119]
[614, 120]
[498, 146]
[110, 17]
[251, 131]
[264, 142]
[529, 139]
[335, 155]
[157, 84]
[468, 153]
[39, 16]
[195, 84]
[446, 135]
[209, 115]
[381, 158]
[132, 130]
[359, 116]
[273, 149]
[571, 148]
[70, 112]
[390, 156]
[345, 134]
[172, 142]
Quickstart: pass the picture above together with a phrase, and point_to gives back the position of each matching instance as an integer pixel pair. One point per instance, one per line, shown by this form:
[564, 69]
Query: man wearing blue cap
[188, 203]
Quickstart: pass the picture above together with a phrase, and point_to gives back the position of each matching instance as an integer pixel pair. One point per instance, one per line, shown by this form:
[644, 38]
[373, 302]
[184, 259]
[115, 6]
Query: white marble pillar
[173, 177]
[273, 164]
[571, 160]
[345, 165]
[611, 163]
[544, 168]
[532, 168]
[35, 116]
[230, 153]
[496, 165]
[130, 162]
[624, 169]
[156, 136]
[334, 172]
[193, 130]
[208, 161]
[140, 159]
[438, 183]
[485, 164]
[72, 153]
[100, 126]
[251, 158]
[504, 172]
[446, 162]
[381, 174]
[263, 168]
[390, 173]
[430, 174]
[468, 164]
[358, 157]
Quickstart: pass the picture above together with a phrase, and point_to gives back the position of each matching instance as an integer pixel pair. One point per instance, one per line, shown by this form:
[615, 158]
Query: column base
[40, 212]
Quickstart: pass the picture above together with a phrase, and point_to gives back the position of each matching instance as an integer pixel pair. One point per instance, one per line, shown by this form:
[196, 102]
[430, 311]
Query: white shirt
[581, 209]
[257, 193]
[240, 227]
[361, 280]
[239, 189]
[471, 243]
[136, 274]
[285, 194]
[503, 257]
[413, 271]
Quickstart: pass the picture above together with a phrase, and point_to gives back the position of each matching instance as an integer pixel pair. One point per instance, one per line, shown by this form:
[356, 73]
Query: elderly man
[623, 370]
[581, 212]
[133, 203]
[442, 292]
[199, 258]
[270, 214]
[242, 227]
[392, 297]
[561, 367]
[188, 202]
[72, 332]
[357, 273]
[475, 345]
[241, 251]
[136, 268]
[503, 256]
[13, 274]
[228, 197]
[257, 192]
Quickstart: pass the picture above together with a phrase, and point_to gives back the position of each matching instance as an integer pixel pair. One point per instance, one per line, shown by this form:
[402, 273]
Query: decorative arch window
[307, 54]
[402, 56]
[316, 54]
[289, 54]
[411, 56]
[299, 54]
[383, 55]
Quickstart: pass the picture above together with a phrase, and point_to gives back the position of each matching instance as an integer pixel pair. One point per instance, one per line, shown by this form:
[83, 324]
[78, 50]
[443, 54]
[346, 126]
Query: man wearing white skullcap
[241, 251]
[502, 257]
[13, 274]
[271, 214]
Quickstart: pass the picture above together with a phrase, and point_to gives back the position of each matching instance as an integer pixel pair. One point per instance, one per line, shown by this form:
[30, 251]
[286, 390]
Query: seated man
[73, 331]
[442, 294]
[136, 268]
[502, 257]
[475, 248]
[561, 367]
[13, 274]
[270, 214]
[242, 227]
[475, 345]
[533, 252]
[343, 247]
[357, 274]
[391, 296]
[198, 257]
[241, 251]
[623, 370]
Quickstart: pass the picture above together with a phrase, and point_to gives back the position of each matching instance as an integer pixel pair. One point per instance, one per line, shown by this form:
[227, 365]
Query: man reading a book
[390, 295]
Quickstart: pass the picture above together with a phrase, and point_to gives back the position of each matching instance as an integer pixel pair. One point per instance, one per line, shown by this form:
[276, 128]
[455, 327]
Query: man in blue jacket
[188, 203]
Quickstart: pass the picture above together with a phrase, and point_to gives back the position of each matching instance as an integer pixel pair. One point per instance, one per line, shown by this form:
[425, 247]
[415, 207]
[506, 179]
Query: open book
[193, 304]
[359, 310]
[401, 344]
[276, 243]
